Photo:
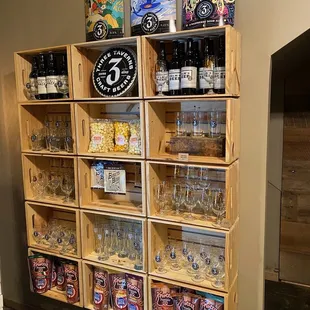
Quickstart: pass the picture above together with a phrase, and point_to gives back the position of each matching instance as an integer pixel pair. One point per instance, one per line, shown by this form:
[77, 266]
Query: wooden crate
[230, 298]
[127, 110]
[88, 240]
[131, 203]
[226, 178]
[160, 127]
[88, 276]
[38, 215]
[33, 116]
[23, 64]
[54, 293]
[84, 57]
[33, 163]
[159, 231]
[150, 48]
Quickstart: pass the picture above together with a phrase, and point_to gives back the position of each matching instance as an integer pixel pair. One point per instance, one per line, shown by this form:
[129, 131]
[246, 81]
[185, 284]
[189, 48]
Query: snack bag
[101, 136]
[118, 289]
[121, 130]
[135, 137]
[72, 282]
[101, 289]
[134, 292]
[40, 269]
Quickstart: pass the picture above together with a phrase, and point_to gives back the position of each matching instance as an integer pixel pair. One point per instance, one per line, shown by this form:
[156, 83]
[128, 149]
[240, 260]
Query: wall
[266, 26]
[24, 25]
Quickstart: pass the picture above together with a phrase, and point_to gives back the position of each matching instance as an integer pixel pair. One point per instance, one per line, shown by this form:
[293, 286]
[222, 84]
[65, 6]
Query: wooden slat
[294, 267]
[295, 237]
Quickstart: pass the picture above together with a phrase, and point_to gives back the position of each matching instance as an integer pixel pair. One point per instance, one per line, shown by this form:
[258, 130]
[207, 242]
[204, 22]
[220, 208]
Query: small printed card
[115, 179]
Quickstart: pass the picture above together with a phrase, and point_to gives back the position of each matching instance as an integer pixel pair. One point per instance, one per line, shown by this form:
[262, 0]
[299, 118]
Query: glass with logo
[215, 124]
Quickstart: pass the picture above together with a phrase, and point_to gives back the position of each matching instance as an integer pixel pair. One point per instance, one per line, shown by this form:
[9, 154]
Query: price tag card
[183, 156]
[115, 179]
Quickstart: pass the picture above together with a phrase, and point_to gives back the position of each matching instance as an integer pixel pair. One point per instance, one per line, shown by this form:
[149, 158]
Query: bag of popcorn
[101, 136]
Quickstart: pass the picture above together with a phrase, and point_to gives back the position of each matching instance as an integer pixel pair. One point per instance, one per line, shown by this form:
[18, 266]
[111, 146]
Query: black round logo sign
[204, 9]
[149, 23]
[115, 72]
[100, 30]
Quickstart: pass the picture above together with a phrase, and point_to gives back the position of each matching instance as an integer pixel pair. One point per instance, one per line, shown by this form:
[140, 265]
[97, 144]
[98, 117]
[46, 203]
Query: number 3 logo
[115, 69]
[149, 22]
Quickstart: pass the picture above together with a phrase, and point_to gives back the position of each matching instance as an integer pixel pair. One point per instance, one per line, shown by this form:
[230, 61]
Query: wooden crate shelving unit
[33, 116]
[88, 276]
[120, 111]
[230, 299]
[150, 48]
[160, 127]
[84, 57]
[54, 293]
[131, 203]
[223, 177]
[155, 162]
[88, 240]
[23, 61]
[33, 163]
[160, 231]
[37, 217]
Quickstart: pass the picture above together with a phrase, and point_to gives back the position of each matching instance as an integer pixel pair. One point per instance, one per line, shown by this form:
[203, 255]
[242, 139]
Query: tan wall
[268, 26]
[24, 25]
[29, 24]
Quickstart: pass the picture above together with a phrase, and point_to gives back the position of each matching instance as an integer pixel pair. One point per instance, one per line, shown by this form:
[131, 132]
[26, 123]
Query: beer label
[206, 78]
[189, 77]
[150, 16]
[174, 79]
[162, 81]
[34, 86]
[219, 77]
[149, 23]
[42, 85]
[115, 72]
[104, 19]
[207, 13]
[51, 83]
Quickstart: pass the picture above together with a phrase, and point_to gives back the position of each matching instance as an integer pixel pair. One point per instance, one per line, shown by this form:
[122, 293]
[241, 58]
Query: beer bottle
[219, 67]
[189, 71]
[162, 76]
[52, 77]
[206, 71]
[33, 78]
[42, 90]
[175, 71]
